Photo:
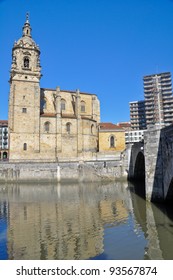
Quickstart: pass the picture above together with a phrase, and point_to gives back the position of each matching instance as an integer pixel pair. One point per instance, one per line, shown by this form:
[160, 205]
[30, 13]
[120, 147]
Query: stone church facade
[47, 124]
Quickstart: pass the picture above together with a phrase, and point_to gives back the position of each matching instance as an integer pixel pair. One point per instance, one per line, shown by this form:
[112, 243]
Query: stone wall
[153, 164]
[90, 171]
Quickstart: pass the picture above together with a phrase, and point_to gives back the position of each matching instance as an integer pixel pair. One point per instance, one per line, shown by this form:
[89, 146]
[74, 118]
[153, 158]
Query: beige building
[111, 138]
[47, 124]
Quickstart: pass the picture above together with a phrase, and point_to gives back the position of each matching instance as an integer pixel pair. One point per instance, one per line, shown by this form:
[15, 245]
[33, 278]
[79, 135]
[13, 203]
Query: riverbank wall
[78, 171]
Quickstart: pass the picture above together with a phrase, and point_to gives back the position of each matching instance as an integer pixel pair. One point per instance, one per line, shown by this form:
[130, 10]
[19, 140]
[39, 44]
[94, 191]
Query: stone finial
[57, 90]
[78, 92]
[27, 17]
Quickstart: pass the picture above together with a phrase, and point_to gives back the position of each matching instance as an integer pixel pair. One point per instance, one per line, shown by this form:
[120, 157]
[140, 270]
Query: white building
[133, 136]
[3, 139]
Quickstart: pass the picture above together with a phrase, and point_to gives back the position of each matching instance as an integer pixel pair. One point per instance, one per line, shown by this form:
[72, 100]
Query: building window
[112, 142]
[43, 104]
[68, 127]
[24, 110]
[26, 62]
[82, 106]
[47, 126]
[4, 155]
[63, 103]
[24, 146]
[92, 129]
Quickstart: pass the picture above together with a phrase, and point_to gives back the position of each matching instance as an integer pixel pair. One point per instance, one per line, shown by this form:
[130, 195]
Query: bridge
[151, 162]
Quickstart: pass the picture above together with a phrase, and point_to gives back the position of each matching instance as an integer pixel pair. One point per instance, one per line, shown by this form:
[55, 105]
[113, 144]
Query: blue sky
[99, 46]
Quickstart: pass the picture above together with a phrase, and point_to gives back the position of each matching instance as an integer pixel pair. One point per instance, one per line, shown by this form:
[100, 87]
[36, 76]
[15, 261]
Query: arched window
[68, 127]
[112, 142]
[4, 155]
[26, 62]
[43, 104]
[82, 106]
[24, 146]
[92, 129]
[63, 103]
[47, 126]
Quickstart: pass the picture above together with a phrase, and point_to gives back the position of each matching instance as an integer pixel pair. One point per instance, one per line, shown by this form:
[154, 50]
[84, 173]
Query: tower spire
[27, 28]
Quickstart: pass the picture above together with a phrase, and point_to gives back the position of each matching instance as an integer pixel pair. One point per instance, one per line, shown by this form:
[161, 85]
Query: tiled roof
[87, 118]
[48, 115]
[70, 91]
[110, 126]
[70, 116]
[3, 122]
[124, 124]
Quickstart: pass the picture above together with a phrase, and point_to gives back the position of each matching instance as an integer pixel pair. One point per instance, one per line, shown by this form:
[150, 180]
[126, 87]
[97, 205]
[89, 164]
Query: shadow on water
[138, 187]
[137, 190]
[156, 221]
[163, 215]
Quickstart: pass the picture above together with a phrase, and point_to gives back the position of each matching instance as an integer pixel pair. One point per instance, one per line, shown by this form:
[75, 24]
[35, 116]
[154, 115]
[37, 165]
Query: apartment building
[3, 139]
[137, 115]
[134, 136]
[158, 99]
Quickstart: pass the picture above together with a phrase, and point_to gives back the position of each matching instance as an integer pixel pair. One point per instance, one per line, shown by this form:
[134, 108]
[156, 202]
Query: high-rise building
[3, 139]
[158, 99]
[137, 115]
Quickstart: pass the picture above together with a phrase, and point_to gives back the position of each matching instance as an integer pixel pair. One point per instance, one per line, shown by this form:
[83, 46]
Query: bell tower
[24, 99]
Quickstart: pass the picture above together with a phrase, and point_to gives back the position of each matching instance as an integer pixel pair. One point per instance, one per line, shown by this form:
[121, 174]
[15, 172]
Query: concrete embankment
[88, 171]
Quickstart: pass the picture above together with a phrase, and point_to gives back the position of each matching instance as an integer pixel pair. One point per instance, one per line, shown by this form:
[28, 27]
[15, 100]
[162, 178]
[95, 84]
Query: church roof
[65, 90]
[110, 126]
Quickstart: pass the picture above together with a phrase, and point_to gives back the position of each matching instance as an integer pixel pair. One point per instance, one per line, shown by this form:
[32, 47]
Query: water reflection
[81, 222]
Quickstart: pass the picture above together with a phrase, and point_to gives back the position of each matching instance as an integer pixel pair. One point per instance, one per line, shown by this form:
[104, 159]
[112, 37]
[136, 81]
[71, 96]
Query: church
[47, 125]
[51, 125]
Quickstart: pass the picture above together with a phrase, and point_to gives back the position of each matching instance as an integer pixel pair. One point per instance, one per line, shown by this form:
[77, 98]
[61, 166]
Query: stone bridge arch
[139, 167]
[152, 161]
[136, 169]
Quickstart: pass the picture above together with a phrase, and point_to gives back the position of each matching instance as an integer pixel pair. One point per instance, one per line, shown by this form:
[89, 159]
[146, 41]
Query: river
[82, 221]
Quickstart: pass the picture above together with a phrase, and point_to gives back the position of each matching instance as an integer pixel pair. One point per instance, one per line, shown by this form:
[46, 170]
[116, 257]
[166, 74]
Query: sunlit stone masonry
[47, 124]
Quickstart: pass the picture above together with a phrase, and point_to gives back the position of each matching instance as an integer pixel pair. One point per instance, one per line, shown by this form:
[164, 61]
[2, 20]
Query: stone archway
[139, 175]
[139, 169]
